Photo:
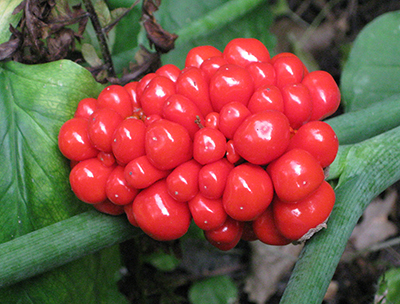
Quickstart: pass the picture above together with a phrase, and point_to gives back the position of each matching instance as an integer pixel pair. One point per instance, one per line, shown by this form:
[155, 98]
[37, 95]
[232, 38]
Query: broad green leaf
[35, 100]
[179, 16]
[125, 45]
[6, 18]
[214, 290]
[389, 287]
[372, 71]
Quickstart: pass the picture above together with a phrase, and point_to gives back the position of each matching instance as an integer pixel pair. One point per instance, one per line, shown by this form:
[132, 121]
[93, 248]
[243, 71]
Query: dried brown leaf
[7, 49]
[162, 40]
[269, 265]
[375, 225]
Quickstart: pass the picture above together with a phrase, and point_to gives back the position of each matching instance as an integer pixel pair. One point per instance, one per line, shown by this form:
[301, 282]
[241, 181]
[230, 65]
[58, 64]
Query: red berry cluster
[234, 142]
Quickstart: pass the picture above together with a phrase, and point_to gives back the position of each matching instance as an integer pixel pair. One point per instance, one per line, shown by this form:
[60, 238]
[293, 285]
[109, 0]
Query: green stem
[371, 167]
[60, 243]
[357, 126]
[216, 19]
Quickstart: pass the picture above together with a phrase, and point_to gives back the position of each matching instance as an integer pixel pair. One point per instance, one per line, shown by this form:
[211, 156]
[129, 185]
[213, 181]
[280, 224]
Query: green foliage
[214, 290]
[162, 261]
[7, 17]
[34, 188]
[389, 287]
[372, 71]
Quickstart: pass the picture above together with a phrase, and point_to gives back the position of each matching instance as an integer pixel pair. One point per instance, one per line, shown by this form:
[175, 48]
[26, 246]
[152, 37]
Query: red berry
[295, 175]
[88, 180]
[248, 192]
[231, 116]
[230, 83]
[319, 139]
[211, 65]
[142, 84]
[288, 70]
[117, 189]
[212, 178]
[262, 137]
[209, 145]
[167, 144]
[116, 97]
[265, 229]
[325, 94]
[128, 209]
[156, 92]
[73, 140]
[182, 110]
[295, 220]
[226, 236]
[212, 120]
[242, 51]
[102, 125]
[297, 103]
[109, 208]
[86, 107]
[159, 215]
[128, 140]
[231, 155]
[263, 73]
[140, 173]
[207, 213]
[192, 84]
[199, 54]
[169, 71]
[131, 88]
[183, 181]
[267, 97]
[107, 159]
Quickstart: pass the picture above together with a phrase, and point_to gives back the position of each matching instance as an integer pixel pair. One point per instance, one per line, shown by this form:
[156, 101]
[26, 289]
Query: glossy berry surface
[232, 143]
[262, 137]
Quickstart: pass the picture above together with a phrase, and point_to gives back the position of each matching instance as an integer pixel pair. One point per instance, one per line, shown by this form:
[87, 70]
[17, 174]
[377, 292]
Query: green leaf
[6, 18]
[90, 55]
[214, 290]
[125, 45]
[103, 13]
[214, 23]
[162, 261]
[35, 101]
[389, 287]
[373, 67]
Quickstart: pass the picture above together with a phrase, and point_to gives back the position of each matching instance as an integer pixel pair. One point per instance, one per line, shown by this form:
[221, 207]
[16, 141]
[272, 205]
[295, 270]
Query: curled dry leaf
[162, 40]
[41, 35]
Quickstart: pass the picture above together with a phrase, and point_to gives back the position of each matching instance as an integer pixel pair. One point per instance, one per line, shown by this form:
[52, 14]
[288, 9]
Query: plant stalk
[354, 127]
[216, 19]
[60, 243]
